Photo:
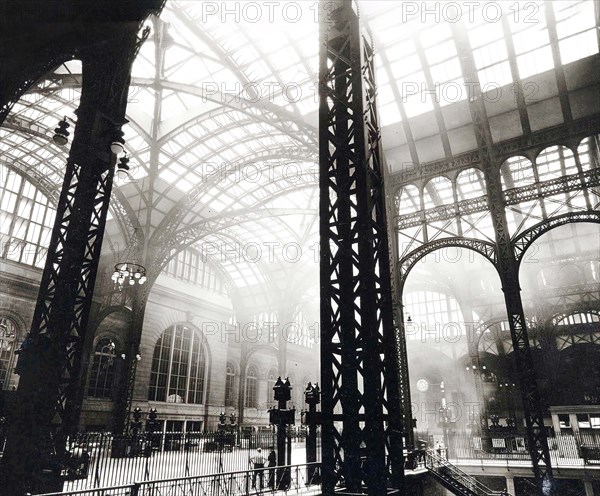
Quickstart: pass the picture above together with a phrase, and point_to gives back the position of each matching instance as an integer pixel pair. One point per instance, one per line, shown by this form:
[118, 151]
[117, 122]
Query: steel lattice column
[122, 408]
[509, 272]
[362, 427]
[50, 359]
[400, 331]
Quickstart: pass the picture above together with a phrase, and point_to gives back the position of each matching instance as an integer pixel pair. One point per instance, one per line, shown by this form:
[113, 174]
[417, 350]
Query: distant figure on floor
[258, 463]
[272, 463]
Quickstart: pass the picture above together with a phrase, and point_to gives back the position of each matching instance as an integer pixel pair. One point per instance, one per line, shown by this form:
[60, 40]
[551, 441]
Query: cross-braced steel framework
[362, 429]
[508, 269]
[51, 355]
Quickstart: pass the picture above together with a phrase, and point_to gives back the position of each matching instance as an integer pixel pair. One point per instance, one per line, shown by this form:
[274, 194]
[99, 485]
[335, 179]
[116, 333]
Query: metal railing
[303, 479]
[96, 460]
[464, 484]
[566, 450]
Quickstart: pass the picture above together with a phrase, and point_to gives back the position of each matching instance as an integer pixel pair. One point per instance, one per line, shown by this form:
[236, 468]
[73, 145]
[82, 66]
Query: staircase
[455, 480]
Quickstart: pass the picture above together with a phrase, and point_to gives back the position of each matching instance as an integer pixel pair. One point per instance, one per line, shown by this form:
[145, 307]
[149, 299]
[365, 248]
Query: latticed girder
[359, 361]
[484, 248]
[508, 269]
[514, 196]
[526, 239]
[49, 364]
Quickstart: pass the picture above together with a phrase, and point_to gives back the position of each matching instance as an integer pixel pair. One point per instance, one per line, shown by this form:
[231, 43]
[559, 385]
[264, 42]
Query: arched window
[517, 172]
[251, 400]
[229, 385]
[178, 367]
[408, 200]
[438, 191]
[554, 162]
[8, 336]
[431, 310]
[102, 376]
[470, 183]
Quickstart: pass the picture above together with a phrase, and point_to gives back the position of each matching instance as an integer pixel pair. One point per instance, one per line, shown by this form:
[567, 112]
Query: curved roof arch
[220, 89]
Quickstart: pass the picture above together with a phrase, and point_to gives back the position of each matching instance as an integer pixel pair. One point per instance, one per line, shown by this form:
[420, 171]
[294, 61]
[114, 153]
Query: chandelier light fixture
[61, 133]
[123, 167]
[129, 274]
[118, 144]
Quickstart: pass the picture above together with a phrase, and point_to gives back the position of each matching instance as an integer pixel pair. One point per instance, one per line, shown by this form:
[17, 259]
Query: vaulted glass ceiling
[222, 113]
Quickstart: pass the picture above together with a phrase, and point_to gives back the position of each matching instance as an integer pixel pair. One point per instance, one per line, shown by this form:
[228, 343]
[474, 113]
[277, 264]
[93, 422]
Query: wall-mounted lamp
[138, 357]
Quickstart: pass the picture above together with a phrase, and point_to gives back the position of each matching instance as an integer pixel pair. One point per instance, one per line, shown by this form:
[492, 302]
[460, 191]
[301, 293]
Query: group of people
[258, 463]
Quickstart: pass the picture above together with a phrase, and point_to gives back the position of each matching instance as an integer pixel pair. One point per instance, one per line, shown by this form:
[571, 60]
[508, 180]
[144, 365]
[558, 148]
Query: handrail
[244, 476]
[443, 468]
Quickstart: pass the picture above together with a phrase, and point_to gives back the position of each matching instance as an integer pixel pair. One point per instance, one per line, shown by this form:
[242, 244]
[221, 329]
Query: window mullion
[14, 219]
[189, 367]
[172, 347]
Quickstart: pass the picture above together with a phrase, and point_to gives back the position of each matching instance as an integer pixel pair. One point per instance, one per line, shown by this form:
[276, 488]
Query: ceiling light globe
[117, 148]
[59, 139]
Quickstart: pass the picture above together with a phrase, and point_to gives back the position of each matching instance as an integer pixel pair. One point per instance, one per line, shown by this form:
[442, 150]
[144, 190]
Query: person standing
[272, 459]
[258, 463]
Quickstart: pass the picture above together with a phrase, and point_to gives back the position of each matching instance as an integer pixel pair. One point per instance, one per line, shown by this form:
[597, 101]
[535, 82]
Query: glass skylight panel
[408, 200]
[555, 162]
[412, 95]
[470, 184]
[142, 100]
[228, 154]
[389, 114]
[385, 94]
[446, 71]
[534, 62]
[388, 36]
[143, 66]
[400, 50]
[490, 54]
[175, 56]
[578, 46]
[257, 71]
[440, 33]
[530, 38]
[485, 34]
[69, 67]
[171, 106]
[217, 204]
[585, 151]
[494, 76]
[576, 30]
[573, 17]
[441, 51]
[405, 66]
[516, 172]
[438, 191]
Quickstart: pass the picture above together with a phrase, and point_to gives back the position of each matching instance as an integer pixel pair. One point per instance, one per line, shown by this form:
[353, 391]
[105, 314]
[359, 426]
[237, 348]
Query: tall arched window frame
[178, 367]
[230, 385]
[8, 338]
[251, 400]
[103, 371]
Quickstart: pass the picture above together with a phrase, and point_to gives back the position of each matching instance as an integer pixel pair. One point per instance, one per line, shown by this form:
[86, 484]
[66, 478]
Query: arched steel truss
[484, 248]
[522, 242]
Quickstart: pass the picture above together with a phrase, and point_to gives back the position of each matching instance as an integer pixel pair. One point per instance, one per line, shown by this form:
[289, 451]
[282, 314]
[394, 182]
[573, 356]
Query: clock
[422, 385]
